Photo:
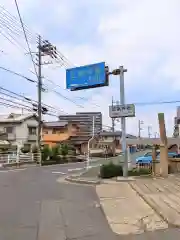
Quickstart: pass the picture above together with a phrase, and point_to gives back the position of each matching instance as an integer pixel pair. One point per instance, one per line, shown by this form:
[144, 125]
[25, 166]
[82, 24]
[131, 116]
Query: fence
[14, 157]
[144, 166]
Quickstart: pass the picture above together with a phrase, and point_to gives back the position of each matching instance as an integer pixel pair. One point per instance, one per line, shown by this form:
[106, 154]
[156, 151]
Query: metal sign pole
[123, 122]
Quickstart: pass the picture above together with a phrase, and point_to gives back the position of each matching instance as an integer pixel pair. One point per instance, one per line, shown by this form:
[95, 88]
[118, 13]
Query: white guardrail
[7, 158]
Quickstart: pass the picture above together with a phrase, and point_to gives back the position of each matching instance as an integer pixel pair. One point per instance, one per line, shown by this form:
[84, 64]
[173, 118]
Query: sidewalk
[126, 212]
[163, 195]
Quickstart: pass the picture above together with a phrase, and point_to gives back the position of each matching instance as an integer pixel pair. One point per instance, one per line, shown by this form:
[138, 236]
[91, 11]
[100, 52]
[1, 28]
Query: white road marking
[12, 170]
[59, 173]
[75, 169]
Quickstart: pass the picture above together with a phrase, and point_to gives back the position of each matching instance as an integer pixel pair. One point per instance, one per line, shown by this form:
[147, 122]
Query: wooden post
[163, 146]
[153, 160]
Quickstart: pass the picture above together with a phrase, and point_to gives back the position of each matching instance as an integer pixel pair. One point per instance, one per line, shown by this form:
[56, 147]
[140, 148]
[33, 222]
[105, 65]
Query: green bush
[55, 151]
[46, 153]
[64, 150]
[48, 162]
[25, 149]
[139, 172]
[111, 170]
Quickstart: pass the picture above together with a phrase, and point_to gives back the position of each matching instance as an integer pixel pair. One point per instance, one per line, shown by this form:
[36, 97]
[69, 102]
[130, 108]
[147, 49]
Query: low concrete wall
[174, 164]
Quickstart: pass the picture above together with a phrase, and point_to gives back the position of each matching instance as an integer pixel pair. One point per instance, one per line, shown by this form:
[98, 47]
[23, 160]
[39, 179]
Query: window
[32, 131]
[9, 129]
[148, 154]
[57, 131]
[54, 131]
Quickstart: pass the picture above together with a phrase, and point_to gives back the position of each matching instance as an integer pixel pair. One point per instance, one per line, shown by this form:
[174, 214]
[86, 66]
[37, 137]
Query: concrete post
[163, 146]
[153, 160]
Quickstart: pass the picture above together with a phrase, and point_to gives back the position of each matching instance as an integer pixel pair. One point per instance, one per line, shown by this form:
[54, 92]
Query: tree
[64, 150]
[46, 153]
[55, 151]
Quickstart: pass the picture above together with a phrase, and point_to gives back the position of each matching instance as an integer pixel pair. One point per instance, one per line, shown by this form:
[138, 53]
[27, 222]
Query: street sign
[126, 110]
[85, 77]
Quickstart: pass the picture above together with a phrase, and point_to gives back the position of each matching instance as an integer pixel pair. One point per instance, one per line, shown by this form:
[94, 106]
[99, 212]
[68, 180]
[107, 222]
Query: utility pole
[89, 141]
[39, 93]
[113, 130]
[123, 121]
[120, 71]
[139, 128]
[45, 48]
[113, 119]
[149, 131]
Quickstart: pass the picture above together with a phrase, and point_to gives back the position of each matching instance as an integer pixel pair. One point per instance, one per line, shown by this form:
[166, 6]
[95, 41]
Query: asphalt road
[34, 206]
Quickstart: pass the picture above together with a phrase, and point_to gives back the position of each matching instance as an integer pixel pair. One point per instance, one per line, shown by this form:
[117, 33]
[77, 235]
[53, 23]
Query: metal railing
[144, 166]
[14, 157]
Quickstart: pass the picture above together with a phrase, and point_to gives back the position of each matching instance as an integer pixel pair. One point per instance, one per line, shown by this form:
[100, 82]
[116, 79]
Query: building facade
[19, 129]
[57, 132]
[85, 122]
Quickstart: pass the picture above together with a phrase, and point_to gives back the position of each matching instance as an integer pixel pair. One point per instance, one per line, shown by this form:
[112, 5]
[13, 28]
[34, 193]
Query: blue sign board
[84, 77]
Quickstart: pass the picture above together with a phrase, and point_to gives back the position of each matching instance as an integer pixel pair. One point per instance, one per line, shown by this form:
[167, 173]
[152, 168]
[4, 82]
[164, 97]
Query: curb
[154, 206]
[82, 181]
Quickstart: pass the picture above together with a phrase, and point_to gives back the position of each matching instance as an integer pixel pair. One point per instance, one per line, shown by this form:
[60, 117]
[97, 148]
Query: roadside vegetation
[112, 170]
[58, 154]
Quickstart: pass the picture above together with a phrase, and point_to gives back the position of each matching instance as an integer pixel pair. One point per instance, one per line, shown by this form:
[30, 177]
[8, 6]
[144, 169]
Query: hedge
[112, 170]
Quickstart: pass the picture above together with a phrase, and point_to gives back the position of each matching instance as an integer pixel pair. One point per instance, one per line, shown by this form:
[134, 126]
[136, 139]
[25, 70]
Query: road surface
[34, 206]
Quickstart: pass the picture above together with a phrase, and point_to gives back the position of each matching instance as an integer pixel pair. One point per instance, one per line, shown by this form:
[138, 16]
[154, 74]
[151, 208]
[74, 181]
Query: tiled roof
[55, 124]
[11, 118]
[116, 133]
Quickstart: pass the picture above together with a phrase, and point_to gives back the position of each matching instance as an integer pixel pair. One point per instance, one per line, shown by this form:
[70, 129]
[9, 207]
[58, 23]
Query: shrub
[55, 151]
[25, 149]
[64, 149]
[110, 170]
[139, 172]
[48, 162]
[46, 153]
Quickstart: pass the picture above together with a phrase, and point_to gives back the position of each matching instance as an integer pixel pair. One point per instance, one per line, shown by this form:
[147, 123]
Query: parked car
[147, 157]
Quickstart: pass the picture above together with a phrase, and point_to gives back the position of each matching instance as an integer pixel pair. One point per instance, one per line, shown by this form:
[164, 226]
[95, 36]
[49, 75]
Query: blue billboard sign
[85, 77]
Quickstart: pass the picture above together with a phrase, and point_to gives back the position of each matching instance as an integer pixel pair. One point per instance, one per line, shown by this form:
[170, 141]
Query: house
[113, 140]
[58, 132]
[19, 129]
[103, 140]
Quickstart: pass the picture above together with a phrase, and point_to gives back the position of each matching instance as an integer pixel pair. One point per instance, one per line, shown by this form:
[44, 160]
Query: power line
[12, 106]
[13, 20]
[22, 24]
[156, 103]
[26, 99]
[18, 74]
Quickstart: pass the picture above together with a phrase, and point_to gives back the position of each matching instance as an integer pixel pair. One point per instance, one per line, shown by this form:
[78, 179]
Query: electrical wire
[156, 103]
[12, 19]
[18, 74]
[58, 93]
[29, 100]
[22, 24]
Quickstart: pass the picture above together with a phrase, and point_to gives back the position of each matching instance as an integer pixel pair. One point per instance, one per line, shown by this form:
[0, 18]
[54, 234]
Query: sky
[141, 35]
